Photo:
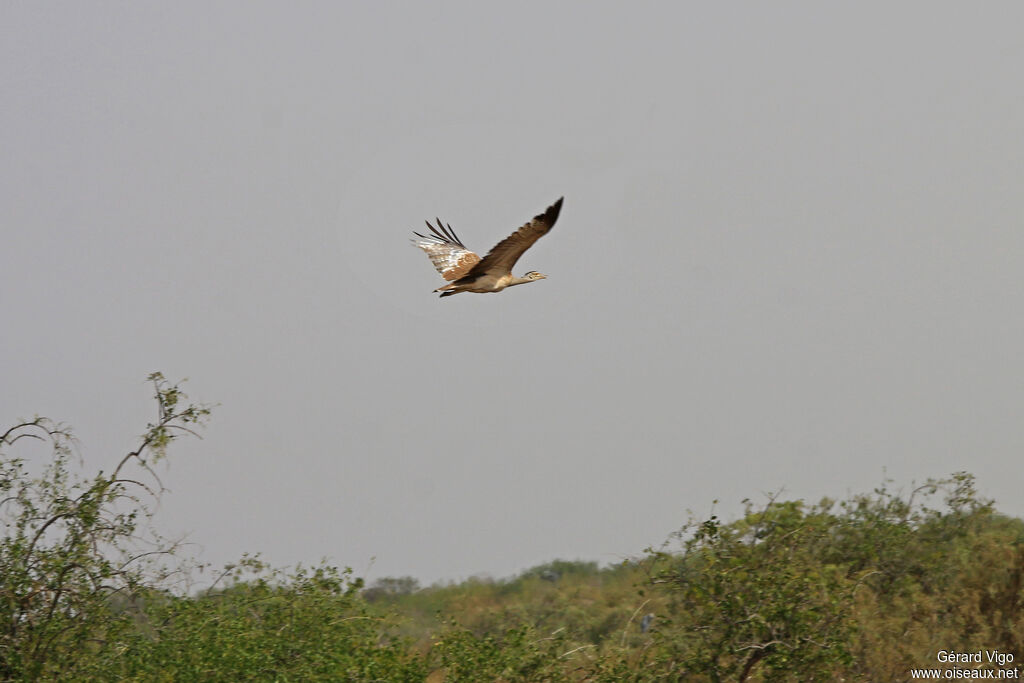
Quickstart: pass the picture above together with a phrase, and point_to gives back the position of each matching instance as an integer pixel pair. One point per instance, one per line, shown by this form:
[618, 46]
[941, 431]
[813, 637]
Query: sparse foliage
[73, 546]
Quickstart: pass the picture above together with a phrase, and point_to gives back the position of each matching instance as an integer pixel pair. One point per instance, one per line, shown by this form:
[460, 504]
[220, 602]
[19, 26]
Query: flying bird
[467, 272]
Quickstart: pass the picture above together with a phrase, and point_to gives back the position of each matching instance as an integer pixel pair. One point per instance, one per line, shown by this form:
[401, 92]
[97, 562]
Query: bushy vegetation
[862, 589]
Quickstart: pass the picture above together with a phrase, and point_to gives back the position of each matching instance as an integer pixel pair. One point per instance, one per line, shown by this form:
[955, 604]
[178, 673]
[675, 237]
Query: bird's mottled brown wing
[504, 255]
[446, 251]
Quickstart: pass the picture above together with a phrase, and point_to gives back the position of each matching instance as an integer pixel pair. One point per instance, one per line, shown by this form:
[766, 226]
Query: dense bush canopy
[864, 589]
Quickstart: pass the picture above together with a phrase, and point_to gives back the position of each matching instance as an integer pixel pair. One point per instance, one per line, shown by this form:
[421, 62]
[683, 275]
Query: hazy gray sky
[791, 255]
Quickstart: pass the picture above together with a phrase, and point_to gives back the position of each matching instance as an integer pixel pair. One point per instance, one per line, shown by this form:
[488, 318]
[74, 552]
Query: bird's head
[534, 275]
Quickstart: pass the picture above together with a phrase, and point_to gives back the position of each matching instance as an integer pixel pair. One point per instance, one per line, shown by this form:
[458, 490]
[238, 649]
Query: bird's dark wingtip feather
[455, 238]
[443, 234]
[551, 215]
[437, 235]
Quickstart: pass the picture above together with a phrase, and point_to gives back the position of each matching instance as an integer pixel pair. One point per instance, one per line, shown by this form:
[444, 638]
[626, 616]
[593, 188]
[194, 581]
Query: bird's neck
[519, 281]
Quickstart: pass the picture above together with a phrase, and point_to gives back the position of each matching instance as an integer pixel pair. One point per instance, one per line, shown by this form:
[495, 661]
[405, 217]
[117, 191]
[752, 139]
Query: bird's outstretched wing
[446, 251]
[505, 253]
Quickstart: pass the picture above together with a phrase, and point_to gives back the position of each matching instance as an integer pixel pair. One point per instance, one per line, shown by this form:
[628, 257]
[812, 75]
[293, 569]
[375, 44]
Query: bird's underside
[467, 272]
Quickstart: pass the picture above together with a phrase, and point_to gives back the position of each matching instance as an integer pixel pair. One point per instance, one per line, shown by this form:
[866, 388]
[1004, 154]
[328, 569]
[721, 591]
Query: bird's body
[467, 272]
[486, 283]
